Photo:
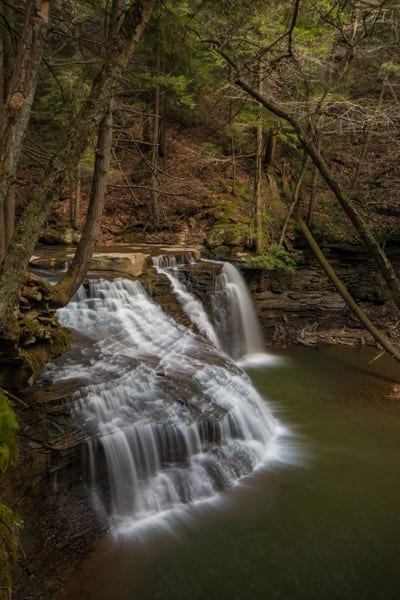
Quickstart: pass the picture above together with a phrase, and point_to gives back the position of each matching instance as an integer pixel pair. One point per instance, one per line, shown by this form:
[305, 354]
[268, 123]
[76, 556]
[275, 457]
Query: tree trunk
[155, 206]
[384, 265]
[6, 53]
[75, 197]
[295, 199]
[258, 175]
[9, 214]
[378, 336]
[270, 152]
[72, 146]
[73, 278]
[16, 111]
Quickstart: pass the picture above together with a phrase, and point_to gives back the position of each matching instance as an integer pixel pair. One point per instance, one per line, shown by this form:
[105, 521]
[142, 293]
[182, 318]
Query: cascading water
[176, 420]
[235, 319]
[235, 328]
[168, 265]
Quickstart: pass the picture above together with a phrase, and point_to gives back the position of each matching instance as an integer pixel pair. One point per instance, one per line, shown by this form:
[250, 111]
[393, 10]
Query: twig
[10, 395]
[377, 357]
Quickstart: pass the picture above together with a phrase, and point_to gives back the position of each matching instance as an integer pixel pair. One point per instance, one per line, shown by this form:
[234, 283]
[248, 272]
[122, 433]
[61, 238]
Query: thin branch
[10, 395]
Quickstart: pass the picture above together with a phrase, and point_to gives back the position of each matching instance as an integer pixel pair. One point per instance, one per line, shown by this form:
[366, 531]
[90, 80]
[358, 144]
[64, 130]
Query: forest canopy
[299, 97]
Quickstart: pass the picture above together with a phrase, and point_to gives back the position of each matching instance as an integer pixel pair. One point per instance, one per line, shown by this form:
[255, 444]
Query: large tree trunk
[378, 336]
[155, 204]
[71, 149]
[6, 53]
[384, 265]
[17, 108]
[259, 173]
[73, 278]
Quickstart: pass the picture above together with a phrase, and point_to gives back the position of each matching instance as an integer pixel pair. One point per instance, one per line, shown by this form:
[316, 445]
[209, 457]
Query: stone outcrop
[132, 265]
[305, 308]
[37, 336]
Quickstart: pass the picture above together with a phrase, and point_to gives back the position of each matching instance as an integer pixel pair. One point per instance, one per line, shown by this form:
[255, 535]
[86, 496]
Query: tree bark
[258, 175]
[383, 263]
[71, 149]
[9, 214]
[75, 197]
[378, 336]
[270, 152]
[155, 205]
[6, 51]
[17, 108]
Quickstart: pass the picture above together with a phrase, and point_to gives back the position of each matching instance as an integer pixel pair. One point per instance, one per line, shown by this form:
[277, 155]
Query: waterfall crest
[176, 421]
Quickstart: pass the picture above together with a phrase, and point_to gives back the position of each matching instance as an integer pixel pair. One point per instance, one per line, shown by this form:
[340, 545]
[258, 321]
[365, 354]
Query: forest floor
[202, 187]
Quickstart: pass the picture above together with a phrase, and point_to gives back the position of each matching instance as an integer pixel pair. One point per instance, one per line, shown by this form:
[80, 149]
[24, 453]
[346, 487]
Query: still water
[326, 527]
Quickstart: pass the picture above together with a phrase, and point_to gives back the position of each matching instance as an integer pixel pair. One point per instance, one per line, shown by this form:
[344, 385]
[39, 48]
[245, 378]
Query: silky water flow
[176, 421]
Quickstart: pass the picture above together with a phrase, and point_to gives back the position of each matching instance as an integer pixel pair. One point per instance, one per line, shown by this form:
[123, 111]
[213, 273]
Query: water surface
[326, 528]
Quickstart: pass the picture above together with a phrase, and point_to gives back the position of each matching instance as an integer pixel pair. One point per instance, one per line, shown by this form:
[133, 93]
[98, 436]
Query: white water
[235, 328]
[192, 307]
[235, 319]
[177, 421]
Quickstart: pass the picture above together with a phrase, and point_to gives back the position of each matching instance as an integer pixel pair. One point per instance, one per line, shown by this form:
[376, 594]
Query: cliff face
[304, 307]
[50, 498]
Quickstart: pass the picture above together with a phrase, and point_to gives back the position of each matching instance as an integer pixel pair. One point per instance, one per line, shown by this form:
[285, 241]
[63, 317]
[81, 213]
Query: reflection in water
[330, 530]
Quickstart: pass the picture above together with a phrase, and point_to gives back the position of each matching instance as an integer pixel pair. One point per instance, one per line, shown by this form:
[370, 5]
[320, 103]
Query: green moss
[8, 550]
[60, 341]
[29, 328]
[229, 235]
[8, 427]
[8, 520]
[276, 257]
[31, 360]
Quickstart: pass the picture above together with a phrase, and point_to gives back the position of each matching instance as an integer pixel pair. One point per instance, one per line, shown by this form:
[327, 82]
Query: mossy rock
[8, 520]
[60, 341]
[8, 550]
[228, 235]
[24, 359]
[60, 237]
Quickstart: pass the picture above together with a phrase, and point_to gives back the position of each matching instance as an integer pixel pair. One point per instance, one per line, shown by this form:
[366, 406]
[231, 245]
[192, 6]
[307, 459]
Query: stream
[326, 528]
[278, 481]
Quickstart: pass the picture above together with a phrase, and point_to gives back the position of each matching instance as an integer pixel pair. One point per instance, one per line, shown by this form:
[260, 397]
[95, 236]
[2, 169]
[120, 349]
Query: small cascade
[174, 419]
[193, 308]
[235, 319]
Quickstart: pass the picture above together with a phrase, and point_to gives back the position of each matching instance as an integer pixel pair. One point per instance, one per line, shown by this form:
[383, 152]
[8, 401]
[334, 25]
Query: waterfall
[234, 328]
[234, 315]
[193, 308]
[174, 419]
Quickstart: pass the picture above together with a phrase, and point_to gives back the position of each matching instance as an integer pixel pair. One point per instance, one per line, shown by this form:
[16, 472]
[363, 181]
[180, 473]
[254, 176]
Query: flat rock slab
[129, 260]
